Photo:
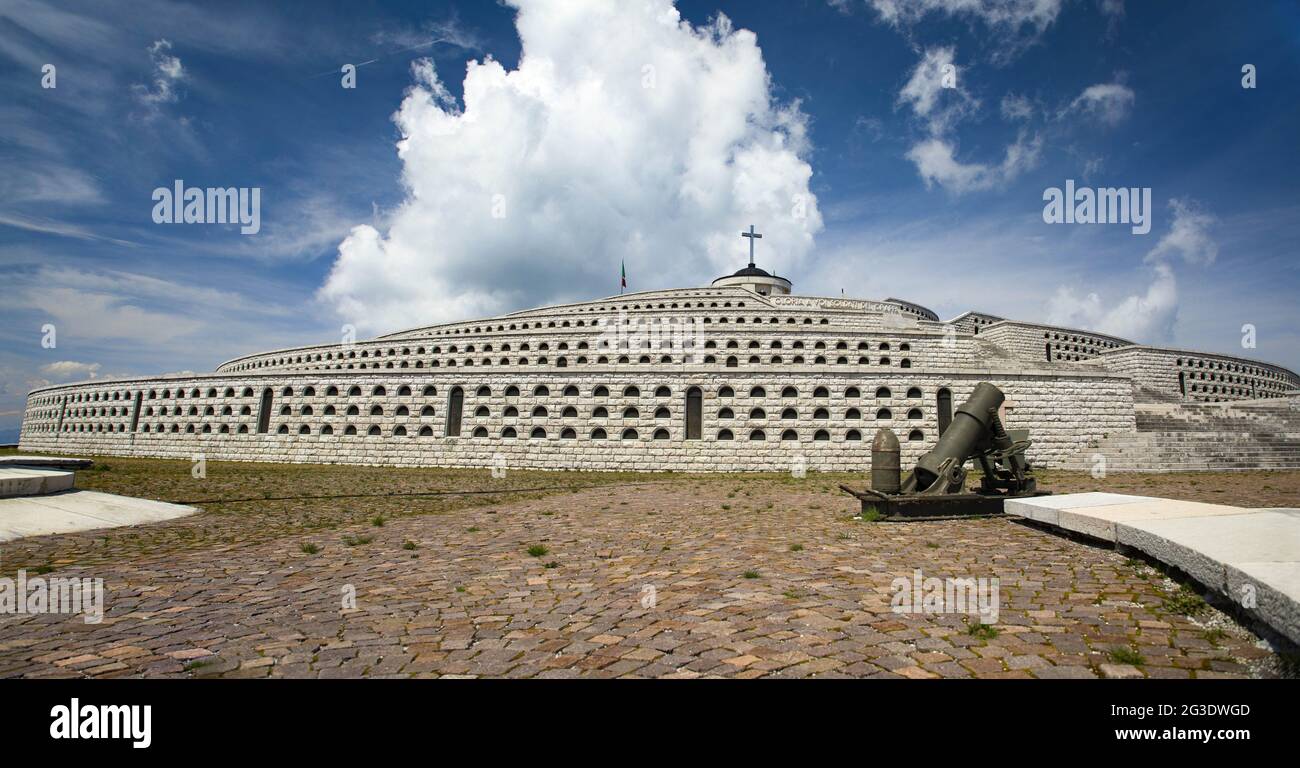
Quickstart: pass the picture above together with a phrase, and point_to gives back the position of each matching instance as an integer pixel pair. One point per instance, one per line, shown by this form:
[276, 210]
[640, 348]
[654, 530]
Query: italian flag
[623, 272]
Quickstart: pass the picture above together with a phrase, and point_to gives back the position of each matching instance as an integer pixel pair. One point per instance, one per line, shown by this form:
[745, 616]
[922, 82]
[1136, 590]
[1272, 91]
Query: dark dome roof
[752, 271]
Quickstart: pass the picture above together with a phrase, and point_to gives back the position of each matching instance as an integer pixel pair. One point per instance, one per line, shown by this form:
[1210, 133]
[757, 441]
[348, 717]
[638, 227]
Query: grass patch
[796, 547]
[408, 544]
[551, 565]
[871, 515]
[1185, 602]
[308, 548]
[377, 521]
[750, 574]
[1215, 635]
[354, 541]
[196, 664]
[983, 631]
[1125, 655]
[537, 550]
[248, 503]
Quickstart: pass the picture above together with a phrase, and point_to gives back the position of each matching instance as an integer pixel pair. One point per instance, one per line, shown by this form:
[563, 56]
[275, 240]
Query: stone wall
[974, 322]
[913, 309]
[217, 417]
[1200, 376]
[1069, 387]
[781, 344]
[1032, 341]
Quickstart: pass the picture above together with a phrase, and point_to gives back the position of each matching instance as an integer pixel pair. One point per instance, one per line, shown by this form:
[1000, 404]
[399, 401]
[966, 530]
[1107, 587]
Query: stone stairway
[990, 353]
[1152, 395]
[1182, 436]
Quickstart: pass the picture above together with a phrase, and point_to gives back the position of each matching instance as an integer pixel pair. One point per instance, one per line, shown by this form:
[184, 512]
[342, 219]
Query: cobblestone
[638, 581]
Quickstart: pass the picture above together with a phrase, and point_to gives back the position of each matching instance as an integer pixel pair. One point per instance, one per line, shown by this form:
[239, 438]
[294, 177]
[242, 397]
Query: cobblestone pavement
[686, 578]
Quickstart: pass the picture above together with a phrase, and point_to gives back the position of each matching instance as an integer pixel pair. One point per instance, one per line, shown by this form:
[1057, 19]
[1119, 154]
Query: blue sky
[628, 137]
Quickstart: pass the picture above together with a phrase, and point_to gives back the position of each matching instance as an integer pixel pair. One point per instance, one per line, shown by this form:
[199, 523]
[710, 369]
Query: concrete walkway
[1251, 556]
[79, 511]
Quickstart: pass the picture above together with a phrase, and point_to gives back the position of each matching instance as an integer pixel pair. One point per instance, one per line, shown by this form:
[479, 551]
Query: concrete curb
[1250, 556]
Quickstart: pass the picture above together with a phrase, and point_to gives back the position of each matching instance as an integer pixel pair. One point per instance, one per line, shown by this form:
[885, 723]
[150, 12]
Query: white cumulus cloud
[1038, 14]
[1188, 236]
[167, 73]
[70, 369]
[936, 162]
[1145, 318]
[1109, 103]
[1014, 24]
[624, 133]
[1150, 316]
[940, 105]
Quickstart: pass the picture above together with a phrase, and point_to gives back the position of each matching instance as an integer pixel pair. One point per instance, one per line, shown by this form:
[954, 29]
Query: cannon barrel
[935, 488]
[973, 425]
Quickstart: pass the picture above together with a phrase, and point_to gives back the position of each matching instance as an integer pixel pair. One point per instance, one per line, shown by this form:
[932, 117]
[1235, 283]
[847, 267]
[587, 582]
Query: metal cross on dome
[752, 235]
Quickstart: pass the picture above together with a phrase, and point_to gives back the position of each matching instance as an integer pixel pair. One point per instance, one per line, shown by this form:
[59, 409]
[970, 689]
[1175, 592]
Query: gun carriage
[935, 488]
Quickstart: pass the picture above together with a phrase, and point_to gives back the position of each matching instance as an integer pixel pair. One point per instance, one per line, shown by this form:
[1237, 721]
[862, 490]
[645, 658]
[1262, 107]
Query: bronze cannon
[936, 486]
